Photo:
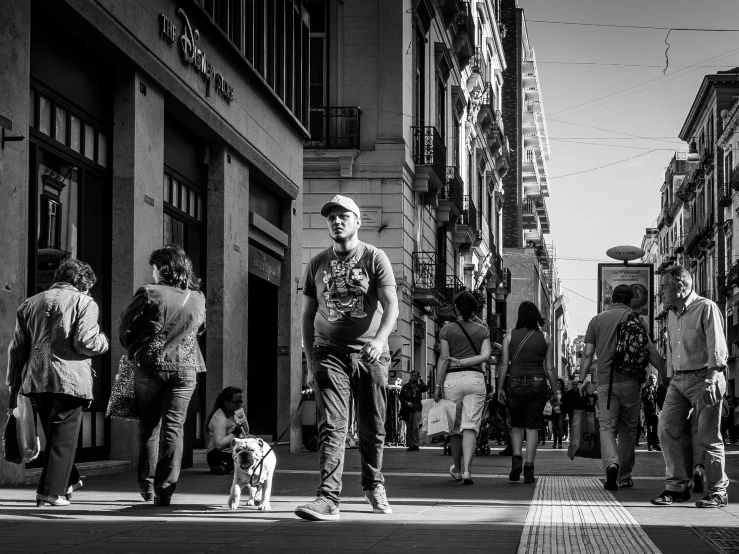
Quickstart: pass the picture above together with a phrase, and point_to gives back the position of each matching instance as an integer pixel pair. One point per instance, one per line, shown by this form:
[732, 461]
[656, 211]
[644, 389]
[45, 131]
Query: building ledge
[329, 160]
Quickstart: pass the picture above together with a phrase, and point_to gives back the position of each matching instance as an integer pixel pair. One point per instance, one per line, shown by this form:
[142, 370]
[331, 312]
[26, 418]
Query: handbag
[548, 409]
[584, 436]
[122, 402]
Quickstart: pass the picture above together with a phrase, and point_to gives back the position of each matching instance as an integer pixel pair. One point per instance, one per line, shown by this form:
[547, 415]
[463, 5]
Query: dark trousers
[162, 398]
[339, 376]
[60, 416]
[217, 458]
[652, 421]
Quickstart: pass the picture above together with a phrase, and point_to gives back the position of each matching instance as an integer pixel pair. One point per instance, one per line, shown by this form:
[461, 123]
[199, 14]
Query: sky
[578, 67]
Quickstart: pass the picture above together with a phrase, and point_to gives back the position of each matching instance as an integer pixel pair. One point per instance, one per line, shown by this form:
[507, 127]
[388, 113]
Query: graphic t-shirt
[349, 311]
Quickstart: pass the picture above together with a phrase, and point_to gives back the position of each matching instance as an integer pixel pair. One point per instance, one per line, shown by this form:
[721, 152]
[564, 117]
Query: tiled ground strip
[575, 515]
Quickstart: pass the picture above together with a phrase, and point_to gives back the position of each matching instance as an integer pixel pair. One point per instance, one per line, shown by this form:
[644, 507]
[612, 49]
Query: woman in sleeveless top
[465, 347]
[530, 353]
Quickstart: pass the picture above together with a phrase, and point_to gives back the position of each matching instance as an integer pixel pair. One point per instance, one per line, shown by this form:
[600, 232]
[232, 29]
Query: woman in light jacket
[160, 329]
[56, 334]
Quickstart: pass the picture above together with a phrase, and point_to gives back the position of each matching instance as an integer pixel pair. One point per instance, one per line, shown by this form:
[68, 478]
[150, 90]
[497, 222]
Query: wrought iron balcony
[469, 216]
[707, 157]
[334, 128]
[429, 150]
[696, 230]
[732, 278]
[425, 279]
[453, 191]
[530, 214]
[724, 195]
[453, 285]
[479, 65]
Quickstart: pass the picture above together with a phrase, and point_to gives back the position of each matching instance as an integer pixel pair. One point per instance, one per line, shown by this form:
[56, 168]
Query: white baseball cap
[341, 201]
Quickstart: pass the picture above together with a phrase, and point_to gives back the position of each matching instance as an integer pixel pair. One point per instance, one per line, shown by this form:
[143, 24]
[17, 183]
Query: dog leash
[260, 465]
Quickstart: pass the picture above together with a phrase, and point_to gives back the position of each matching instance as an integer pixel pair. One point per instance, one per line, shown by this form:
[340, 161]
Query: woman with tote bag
[465, 347]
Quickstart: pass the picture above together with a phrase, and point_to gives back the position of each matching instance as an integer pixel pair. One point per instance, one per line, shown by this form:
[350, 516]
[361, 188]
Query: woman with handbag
[56, 334]
[160, 330]
[525, 392]
[465, 347]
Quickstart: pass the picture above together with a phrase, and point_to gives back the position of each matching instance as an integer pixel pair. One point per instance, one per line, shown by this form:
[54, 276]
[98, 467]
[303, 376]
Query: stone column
[289, 339]
[228, 272]
[15, 38]
[138, 166]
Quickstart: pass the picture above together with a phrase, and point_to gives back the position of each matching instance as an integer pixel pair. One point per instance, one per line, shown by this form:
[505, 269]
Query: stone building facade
[146, 123]
[406, 120]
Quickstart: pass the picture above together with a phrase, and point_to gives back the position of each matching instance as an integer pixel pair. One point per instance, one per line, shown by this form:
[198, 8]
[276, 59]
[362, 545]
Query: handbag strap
[474, 348]
[165, 328]
[515, 355]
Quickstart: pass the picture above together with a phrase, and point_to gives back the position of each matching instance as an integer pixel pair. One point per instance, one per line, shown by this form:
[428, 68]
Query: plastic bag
[584, 436]
[426, 406]
[25, 422]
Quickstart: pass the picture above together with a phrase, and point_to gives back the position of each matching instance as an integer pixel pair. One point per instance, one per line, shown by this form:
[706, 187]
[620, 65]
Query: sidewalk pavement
[430, 511]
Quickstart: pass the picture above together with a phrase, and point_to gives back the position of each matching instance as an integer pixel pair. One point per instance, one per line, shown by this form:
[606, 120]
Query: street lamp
[693, 155]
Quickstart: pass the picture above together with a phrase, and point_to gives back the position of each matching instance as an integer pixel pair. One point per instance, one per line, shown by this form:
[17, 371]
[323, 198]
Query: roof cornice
[709, 82]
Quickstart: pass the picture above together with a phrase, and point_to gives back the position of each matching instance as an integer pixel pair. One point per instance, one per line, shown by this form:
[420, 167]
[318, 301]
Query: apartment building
[695, 226]
[526, 185]
[405, 118]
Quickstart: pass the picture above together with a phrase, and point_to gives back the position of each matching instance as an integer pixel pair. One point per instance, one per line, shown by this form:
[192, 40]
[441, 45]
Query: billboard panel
[640, 277]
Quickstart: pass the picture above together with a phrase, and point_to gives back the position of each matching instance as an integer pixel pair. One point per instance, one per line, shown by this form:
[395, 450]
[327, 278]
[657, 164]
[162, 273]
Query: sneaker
[321, 509]
[378, 498]
[670, 497]
[611, 478]
[698, 478]
[713, 500]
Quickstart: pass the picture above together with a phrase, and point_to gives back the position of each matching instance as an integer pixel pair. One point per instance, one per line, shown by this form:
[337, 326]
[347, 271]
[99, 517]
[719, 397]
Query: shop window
[75, 129]
[89, 142]
[44, 113]
[60, 127]
[102, 150]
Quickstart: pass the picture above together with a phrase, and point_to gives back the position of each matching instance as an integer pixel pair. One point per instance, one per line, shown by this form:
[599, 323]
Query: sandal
[455, 476]
[467, 478]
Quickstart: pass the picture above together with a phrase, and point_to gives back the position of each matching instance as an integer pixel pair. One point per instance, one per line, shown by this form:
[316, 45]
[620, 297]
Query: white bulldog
[247, 453]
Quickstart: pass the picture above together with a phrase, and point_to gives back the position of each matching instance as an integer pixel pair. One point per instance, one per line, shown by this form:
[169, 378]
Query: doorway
[261, 394]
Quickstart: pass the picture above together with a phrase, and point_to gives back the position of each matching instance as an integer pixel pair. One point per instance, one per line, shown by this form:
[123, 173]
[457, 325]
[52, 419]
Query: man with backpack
[619, 338]
[696, 363]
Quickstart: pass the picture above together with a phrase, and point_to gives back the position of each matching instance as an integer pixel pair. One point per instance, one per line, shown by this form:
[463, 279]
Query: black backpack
[632, 346]
[632, 349]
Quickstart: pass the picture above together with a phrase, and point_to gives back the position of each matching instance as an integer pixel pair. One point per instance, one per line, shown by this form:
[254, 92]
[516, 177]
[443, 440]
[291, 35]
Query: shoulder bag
[122, 403]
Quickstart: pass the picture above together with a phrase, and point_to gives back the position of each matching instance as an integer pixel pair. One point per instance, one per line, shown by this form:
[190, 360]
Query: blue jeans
[339, 376]
[622, 417]
[686, 392]
[162, 398]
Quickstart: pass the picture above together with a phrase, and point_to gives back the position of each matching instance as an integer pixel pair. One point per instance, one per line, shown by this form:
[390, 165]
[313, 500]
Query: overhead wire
[584, 24]
[604, 166]
[661, 79]
[560, 285]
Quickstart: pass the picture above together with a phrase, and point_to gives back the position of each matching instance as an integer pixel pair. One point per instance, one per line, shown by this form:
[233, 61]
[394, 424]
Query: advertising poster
[640, 277]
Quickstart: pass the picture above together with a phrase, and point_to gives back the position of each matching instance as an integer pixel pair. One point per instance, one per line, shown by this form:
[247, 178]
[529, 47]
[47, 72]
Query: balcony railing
[707, 157]
[453, 190]
[488, 96]
[429, 149]
[334, 128]
[732, 279]
[424, 270]
[479, 65]
[695, 232]
[724, 195]
[469, 215]
[506, 278]
[453, 285]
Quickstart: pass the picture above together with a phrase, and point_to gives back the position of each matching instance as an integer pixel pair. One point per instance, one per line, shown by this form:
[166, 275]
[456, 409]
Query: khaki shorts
[467, 390]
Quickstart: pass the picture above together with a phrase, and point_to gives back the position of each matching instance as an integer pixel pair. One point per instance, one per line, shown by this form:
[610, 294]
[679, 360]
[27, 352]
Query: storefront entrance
[261, 398]
[69, 217]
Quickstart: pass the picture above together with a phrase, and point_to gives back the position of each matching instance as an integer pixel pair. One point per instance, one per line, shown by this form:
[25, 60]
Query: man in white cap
[350, 307]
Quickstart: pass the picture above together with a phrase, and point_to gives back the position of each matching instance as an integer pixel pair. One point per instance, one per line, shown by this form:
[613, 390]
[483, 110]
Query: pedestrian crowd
[350, 307]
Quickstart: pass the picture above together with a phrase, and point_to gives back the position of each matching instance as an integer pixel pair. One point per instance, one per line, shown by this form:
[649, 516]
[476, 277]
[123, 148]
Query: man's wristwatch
[712, 381]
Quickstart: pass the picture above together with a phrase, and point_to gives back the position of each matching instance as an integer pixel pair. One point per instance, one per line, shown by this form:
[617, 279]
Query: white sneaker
[378, 498]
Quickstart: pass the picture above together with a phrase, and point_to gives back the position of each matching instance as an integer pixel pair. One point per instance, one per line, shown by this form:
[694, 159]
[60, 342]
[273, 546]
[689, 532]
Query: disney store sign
[193, 55]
